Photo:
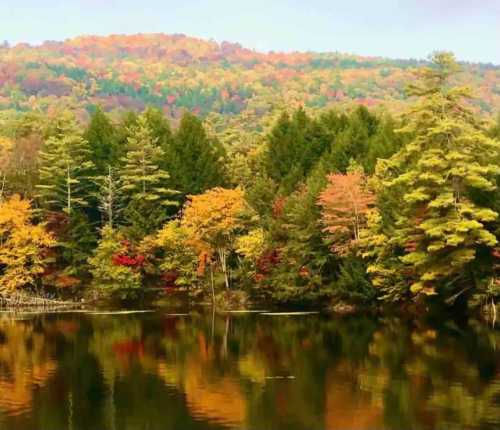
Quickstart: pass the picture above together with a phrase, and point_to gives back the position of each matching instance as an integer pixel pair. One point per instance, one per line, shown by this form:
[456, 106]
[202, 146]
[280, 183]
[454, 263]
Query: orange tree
[345, 203]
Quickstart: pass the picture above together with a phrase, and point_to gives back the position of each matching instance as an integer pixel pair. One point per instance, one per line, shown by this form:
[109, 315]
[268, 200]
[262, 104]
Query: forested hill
[177, 73]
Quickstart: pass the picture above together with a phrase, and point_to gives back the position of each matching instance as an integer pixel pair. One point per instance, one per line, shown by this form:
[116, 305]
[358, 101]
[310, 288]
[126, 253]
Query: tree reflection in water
[155, 371]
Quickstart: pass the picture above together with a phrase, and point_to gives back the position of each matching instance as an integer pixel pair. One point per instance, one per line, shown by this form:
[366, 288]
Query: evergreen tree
[195, 161]
[102, 139]
[354, 141]
[495, 130]
[439, 180]
[64, 167]
[160, 128]
[305, 259]
[122, 130]
[143, 184]
[294, 145]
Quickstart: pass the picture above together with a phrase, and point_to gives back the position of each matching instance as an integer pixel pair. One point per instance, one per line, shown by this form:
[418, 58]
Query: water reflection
[157, 371]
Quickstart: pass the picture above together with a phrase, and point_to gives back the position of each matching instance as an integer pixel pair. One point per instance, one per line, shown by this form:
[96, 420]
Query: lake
[155, 370]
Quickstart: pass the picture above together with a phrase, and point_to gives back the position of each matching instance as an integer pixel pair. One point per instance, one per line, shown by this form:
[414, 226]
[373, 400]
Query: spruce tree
[102, 139]
[294, 145]
[195, 161]
[160, 128]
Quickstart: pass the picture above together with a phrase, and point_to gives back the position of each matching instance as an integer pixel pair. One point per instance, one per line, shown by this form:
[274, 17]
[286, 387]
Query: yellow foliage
[251, 245]
[215, 215]
[21, 245]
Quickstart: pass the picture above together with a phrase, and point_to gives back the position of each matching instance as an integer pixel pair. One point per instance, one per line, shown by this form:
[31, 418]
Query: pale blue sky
[393, 28]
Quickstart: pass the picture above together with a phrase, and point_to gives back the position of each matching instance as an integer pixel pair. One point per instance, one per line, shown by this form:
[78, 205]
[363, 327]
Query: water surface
[244, 371]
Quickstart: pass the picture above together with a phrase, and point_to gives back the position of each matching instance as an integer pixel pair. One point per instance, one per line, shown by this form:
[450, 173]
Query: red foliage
[169, 278]
[266, 263]
[126, 260]
[128, 347]
[57, 223]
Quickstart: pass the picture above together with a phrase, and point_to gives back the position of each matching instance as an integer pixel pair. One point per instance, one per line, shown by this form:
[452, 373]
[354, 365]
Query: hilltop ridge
[177, 72]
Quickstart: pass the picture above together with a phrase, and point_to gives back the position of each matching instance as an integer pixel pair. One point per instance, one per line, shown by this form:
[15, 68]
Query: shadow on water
[199, 370]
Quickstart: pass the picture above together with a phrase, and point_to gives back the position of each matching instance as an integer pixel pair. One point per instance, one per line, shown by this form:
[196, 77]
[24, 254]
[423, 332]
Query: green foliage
[143, 183]
[439, 224]
[101, 137]
[352, 283]
[305, 260]
[107, 275]
[160, 128]
[64, 167]
[195, 160]
[294, 146]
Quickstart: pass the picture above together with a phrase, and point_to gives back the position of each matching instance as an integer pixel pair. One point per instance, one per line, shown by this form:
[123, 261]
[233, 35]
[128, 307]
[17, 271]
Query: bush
[112, 267]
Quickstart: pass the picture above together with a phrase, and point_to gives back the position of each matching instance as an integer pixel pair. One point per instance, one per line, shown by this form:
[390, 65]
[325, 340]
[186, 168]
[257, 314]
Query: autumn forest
[153, 165]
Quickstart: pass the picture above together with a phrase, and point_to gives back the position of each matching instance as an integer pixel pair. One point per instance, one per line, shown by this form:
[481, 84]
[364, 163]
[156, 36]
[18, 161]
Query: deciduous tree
[344, 203]
[215, 218]
[22, 245]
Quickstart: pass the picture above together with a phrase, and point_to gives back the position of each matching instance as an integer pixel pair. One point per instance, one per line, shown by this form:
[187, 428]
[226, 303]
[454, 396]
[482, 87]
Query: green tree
[294, 145]
[101, 136]
[306, 263]
[440, 181]
[143, 183]
[64, 167]
[160, 128]
[195, 160]
[495, 130]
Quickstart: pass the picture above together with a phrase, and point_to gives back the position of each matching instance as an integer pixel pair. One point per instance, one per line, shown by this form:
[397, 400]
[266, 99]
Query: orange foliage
[344, 204]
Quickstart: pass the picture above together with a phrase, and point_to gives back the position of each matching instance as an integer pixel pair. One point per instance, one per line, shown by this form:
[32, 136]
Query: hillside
[237, 85]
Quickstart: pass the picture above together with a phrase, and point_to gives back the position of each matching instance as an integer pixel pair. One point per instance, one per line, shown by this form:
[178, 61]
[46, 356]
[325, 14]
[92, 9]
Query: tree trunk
[68, 190]
[223, 263]
[212, 285]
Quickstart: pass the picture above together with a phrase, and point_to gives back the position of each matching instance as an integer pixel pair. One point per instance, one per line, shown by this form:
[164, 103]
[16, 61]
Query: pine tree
[438, 180]
[65, 167]
[143, 184]
[195, 161]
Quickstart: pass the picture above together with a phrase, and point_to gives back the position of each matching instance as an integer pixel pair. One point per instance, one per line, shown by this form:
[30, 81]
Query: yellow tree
[22, 245]
[214, 218]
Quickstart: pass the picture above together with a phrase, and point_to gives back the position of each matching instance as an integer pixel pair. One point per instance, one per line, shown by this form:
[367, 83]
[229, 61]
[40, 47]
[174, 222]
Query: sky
[390, 28]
